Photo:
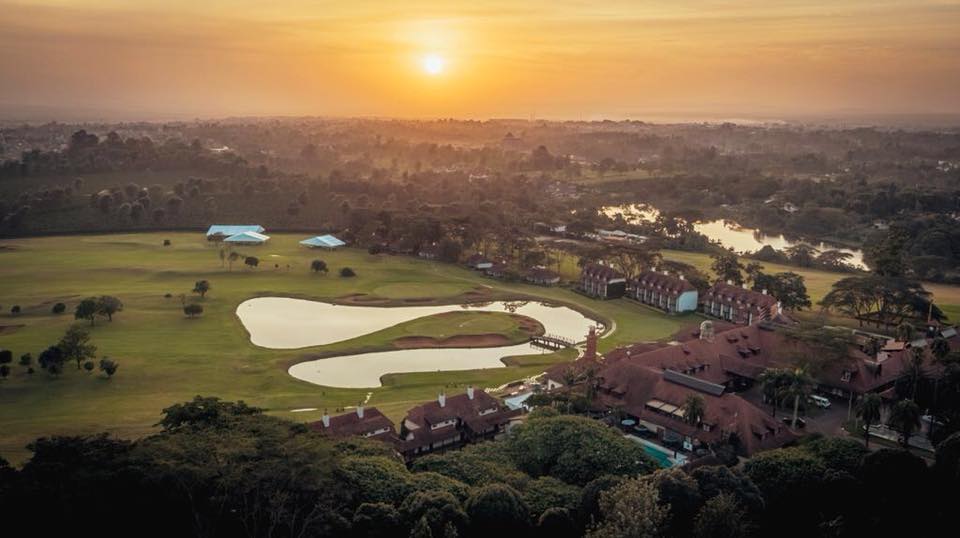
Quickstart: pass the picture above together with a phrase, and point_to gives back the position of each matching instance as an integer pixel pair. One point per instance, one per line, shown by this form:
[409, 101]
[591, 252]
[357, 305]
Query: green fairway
[166, 357]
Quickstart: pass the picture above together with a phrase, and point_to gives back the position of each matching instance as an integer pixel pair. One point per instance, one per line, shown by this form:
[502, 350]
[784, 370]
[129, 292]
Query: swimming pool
[661, 457]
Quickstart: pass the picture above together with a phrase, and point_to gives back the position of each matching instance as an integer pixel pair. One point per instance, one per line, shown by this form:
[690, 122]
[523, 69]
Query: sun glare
[433, 64]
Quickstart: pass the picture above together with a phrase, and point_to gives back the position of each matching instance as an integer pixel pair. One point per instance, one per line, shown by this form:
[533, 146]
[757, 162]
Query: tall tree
[727, 267]
[201, 287]
[868, 410]
[87, 309]
[905, 418]
[75, 345]
[694, 409]
[108, 305]
[631, 509]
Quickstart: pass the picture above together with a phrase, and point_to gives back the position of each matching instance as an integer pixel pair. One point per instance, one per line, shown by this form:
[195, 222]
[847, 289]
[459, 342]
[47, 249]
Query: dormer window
[845, 377]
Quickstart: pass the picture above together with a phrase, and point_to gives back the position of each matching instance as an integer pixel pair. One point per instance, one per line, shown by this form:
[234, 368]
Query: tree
[59, 308]
[496, 509]
[201, 287]
[727, 267]
[192, 310]
[251, 261]
[87, 309]
[51, 360]
[376, 520]
[88, 366]
[204, 412]
[694, 409]
[347, 272]
[109, 366]
[631, 510]
[108, 306]
[6, 356]
[801, 254]
[905, 418]
[905, 332]
[798, 386]
[75, 345]
[883, 300]
[772, 382]
[4, 371]
[721, 517]
[422, 527]
[231, 258]
[789, 288]
[319, 266]
[26, 359]
[868, 410]
[556, 523]
[15, 310]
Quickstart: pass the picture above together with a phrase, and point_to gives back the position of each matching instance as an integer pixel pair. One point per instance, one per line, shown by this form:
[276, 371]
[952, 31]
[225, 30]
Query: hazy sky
[549, 58]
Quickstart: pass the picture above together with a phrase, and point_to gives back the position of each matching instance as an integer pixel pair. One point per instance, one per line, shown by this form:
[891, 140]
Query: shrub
[108, 366]
[59, 308]
[15, 309]
[166, 242]
[347, 272]
[88, 366]
[192, 310]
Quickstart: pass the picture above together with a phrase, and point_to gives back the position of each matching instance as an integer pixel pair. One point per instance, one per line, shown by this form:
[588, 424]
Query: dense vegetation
[224, 469]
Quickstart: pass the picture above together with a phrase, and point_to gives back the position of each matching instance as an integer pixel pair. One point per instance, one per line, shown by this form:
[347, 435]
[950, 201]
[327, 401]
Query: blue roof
[326, 241]
[247, 237]
[234, 229]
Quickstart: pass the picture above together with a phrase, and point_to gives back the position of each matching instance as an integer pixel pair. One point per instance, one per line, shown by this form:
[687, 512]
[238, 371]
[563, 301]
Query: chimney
[744, 286]
[442, 399]
[470, 391]
[666, 272]
[764, 291]
[360, 410]
[729, 282]
[325, 419]
[590, 352]
[682, 277]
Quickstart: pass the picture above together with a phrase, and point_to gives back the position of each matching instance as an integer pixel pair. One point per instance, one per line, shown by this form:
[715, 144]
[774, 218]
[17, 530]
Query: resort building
[429, 252]
[671, 293]
[451, 422]
[247, 239]
[602, 281]
[363, 423]
[327, 242]
[542, 276]
[511, 143]
[737, 304]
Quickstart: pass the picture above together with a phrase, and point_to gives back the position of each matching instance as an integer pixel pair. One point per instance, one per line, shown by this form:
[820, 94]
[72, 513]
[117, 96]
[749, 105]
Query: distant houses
[327, 242]
[739, 304]
[541, 276]
[479, 261]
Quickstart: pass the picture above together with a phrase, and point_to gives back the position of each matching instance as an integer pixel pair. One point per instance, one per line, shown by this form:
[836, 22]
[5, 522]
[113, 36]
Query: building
[672, 293]
[247, 238]
[327, 242]
[219, 232]
[738, 304]
[451, 422]
[363, 423]
[511, 143]
[542, 276]
[498, 270]
[602, 281]
[429, 252]
[479, 261]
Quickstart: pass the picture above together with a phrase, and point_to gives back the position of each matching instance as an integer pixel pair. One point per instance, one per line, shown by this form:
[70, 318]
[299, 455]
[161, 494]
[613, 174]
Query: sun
[433, 64]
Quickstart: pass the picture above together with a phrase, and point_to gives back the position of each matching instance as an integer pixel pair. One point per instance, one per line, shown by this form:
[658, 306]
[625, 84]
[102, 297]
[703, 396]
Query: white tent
[323, 241]
[247, 238]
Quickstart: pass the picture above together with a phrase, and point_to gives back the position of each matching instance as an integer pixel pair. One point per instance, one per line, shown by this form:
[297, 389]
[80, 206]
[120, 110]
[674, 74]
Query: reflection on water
[285, 323]
[728, 233]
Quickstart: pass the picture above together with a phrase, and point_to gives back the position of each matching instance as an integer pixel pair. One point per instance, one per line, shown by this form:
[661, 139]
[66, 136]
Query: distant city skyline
[811, 60]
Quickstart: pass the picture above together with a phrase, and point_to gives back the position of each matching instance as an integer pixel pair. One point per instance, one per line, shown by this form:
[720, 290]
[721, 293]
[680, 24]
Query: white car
[819, 401]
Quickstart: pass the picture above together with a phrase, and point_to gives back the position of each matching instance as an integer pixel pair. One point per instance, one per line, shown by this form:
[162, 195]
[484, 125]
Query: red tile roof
[349, 424]
[729, 293]
[600, 271]
[663, 282]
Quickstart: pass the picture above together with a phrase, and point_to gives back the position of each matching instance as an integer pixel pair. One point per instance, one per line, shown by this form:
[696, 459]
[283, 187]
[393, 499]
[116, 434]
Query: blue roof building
[323, 241]
[227, 230]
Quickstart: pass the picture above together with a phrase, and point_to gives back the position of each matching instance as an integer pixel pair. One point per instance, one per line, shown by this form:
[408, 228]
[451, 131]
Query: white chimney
[764, 291]
[744, 286]
[729, 282]
[666, 272]
[682, 277]
[325, 419]
[442, 399]
[470, 392]
[360, 411]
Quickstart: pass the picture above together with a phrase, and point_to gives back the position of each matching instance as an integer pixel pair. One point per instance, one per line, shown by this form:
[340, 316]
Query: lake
[286, 323]
[728, 233]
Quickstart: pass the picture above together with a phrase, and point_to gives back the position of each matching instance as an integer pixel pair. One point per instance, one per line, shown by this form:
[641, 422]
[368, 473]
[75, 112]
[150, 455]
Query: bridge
[552, 342]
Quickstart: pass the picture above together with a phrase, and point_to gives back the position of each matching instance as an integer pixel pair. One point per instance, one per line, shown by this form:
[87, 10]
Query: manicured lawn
[166, 358]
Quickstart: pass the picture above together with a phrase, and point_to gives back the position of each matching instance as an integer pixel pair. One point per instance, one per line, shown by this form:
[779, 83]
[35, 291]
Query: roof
[325, 241]
[598, 270]
[461, 407]
[541, 273]
[732, 293]
[234, 229]
[477, 259]
[351, 424]
[663, 281]
[247, 237]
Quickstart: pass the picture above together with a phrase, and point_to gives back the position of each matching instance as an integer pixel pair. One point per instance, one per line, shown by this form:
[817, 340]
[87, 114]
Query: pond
[286, 323]
[728, 233]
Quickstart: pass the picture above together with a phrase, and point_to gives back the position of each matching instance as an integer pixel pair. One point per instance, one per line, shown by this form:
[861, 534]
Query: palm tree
[905, 418]
[694, 409]
[868, 410]
[905, 332]
[940, 351]
[772, 381]
[798, 385]
[915, 370]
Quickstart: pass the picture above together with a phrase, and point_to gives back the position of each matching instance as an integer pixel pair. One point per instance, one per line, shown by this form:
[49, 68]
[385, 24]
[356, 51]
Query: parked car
[819, 401]
[789, 421]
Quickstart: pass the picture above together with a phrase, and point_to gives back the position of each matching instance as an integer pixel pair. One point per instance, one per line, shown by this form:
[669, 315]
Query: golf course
[166, 357]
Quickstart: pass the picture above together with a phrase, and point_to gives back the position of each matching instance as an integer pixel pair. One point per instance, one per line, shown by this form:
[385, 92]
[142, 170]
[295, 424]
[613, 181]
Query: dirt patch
[419, 300]
[7, 329]
[466, 340]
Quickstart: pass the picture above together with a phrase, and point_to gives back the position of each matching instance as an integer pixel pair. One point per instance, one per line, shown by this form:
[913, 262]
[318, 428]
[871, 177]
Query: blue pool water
[662, 458]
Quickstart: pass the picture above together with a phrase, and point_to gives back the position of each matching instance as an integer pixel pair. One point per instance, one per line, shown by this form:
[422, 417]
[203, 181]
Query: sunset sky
[419, 58]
